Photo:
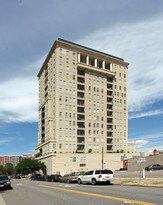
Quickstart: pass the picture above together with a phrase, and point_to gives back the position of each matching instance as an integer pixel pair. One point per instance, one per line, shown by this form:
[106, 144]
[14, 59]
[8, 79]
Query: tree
[29, 166]
[2, 170]
[9, 169]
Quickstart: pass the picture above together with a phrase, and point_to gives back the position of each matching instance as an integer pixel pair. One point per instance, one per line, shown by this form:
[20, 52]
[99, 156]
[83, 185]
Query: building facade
[83, 106]
[14, 160]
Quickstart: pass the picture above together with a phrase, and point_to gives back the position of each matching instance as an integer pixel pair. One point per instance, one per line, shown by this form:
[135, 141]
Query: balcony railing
[81, 125]
[80, 95]
[81, 72]
[81, 140]
[81, 102]
[80, 117]
[81, 87]
[81, 80]
[81, 110]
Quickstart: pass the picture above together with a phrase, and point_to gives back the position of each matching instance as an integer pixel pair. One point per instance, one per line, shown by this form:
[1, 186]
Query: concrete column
[103, 65]
[111, 67]
[87, 60]
[78, 57]
[96, 62]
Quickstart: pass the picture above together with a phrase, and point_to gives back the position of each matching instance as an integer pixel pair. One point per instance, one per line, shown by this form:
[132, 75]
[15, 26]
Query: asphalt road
[26, 192]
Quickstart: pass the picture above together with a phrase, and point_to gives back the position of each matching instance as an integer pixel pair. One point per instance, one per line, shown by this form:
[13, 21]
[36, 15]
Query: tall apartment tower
[83, 107]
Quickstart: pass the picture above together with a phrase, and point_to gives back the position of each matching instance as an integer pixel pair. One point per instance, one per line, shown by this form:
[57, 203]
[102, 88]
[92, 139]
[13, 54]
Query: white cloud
[19, 95]
[154, 136]
[141, 143]
[19, 100]
[140, 44]
[147, 143]
[146, 114]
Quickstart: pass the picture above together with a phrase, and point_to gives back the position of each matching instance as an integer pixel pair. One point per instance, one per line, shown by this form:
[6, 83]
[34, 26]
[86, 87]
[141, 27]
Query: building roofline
[60, 40]
[78, 45]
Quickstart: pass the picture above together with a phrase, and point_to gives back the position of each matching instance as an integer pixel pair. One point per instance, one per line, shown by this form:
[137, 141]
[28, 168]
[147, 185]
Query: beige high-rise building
[83, 109]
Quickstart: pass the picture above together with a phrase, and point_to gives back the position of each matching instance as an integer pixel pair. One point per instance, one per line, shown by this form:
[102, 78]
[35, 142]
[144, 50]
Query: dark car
[15, 177]
[36, 177]
[154, 167]
[5, 181]
[53, 178]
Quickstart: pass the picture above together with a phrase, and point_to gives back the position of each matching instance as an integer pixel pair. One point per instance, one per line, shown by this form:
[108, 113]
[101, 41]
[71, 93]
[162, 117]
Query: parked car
[5, 181]
[154, 167]
[35, 177]
[15, 177]
[71, 177]
[96, 176]
[53, 178]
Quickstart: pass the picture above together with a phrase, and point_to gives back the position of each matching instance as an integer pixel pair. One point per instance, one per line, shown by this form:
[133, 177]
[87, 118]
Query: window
[89, 173]
[82, 159]
[72, 159]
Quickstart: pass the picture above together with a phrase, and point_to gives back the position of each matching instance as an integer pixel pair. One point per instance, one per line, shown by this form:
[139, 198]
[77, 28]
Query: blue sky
[132, 30]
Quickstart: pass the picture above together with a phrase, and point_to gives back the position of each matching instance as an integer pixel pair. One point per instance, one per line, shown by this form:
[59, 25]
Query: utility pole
[102, 158]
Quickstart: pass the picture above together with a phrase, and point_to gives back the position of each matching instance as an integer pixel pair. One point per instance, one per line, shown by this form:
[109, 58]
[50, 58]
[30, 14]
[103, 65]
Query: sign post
[140, 161]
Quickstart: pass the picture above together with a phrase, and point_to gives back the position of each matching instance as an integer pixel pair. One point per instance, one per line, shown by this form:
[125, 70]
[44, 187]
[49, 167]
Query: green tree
[29, 166]
[2, 170]
[9, 169]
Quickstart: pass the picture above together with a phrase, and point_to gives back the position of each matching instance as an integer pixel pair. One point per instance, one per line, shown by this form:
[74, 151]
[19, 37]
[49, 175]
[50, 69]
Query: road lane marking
[19, 184]
[99, 195]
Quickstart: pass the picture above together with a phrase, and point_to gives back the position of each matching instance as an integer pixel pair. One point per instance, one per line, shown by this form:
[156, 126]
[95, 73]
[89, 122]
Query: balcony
[110, 93]
[109, 107]
[109, 148]
[80, 110]
[83, 59]
[80, 95]
[81, 124]
[110, 87]
[80, 102]
[80, 148]
[92, 62]
[81, 87]
[107, 66]
[81, 80]
[81, 72]
[109, 114]
[81, 132]
[109, 127]
[110, 141]
[99, 64]
[109, 100]
[110, 80]
[109, 121]
[81, 140]
[109, 135]
[81, 117]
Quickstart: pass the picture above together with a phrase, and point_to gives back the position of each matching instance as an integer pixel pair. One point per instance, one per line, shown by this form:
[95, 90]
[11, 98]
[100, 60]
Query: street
[26, 192]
